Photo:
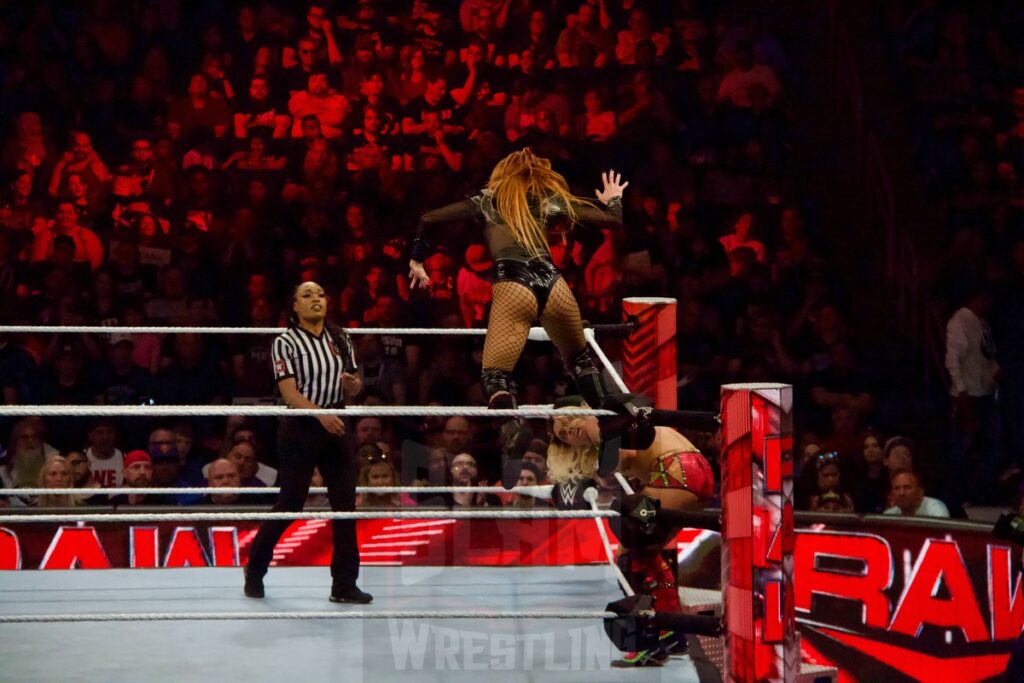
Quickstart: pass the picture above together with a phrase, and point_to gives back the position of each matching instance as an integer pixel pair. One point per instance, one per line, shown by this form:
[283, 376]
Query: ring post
[761, 642]
[649, 354]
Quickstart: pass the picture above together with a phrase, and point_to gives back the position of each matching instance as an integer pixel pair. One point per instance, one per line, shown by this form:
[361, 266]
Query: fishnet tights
[513, 310]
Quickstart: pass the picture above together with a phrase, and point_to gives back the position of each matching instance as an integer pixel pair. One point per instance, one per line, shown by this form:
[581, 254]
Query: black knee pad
[587, 375]
[495, 380]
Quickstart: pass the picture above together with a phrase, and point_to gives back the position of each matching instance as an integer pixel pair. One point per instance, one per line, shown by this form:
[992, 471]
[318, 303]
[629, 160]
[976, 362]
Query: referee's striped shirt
[316, 363]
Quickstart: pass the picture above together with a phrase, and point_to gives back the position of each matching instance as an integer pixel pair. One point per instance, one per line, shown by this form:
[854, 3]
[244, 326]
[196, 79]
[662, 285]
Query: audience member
[105, 460]
[379, 472]
[464, 473]
[973, 371]
[87, 247]
[55, 474]
[870, 476]
[908, 497]
[198, 113]
[529, 475]
[827, 475]
[456, 436]
[223, 473]
[138, 473]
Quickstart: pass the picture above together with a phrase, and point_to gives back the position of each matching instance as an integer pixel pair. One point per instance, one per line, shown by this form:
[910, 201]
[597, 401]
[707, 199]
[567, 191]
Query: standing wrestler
[523, 198]
[666, 471]
[315, 367]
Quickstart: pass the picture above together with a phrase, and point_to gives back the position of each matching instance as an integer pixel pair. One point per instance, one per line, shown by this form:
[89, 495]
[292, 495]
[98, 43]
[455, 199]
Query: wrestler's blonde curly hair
[523, 180]
[568, 463]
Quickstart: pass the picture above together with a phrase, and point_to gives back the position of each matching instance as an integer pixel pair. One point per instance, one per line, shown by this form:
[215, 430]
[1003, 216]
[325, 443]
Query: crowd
[961, 68]
[171, 164]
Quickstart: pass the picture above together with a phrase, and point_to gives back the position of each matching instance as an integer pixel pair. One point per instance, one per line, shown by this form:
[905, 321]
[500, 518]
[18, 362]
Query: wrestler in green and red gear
[668, 474]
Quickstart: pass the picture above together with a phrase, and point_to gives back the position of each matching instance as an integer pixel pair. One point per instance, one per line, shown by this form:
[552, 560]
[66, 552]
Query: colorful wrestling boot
[653, 576]
[654, 657]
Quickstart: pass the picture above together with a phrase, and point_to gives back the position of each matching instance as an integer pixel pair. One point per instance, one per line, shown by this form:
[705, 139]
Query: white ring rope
[627, 489]
[588, 334]
[503, 513]
[590, 495]
[278, 616]
[536, 333]
[257, 411]
[533, 491]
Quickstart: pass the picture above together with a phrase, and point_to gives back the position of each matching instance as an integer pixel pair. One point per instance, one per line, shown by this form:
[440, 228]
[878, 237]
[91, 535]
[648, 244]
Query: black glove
[637, 626]
[637, 525]
[625, 404]
[569, 495]
[608, 457]
[632, 425]
[633, 628]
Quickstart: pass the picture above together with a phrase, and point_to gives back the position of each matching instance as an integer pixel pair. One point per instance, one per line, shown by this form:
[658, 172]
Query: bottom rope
[278, 616]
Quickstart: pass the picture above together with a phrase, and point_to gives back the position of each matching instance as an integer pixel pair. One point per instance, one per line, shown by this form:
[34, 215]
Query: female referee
[315, 367]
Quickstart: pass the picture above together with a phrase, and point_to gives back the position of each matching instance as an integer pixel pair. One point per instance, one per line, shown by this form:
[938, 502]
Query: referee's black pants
[302, 444]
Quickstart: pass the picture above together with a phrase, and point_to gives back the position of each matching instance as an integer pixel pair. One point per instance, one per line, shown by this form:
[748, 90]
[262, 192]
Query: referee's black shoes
[253, 584]
[350, 594]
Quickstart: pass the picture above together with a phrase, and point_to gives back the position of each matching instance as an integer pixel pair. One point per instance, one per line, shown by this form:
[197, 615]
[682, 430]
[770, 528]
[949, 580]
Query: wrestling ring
[510, 623]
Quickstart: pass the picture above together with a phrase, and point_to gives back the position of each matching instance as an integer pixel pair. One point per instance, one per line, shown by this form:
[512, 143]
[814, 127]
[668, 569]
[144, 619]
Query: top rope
[482, 513]
[179, 329]
[536, 333]
[257, 411]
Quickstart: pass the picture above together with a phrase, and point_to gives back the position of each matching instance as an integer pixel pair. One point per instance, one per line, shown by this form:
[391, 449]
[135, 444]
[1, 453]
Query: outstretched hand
[418, 275]
[613, 186]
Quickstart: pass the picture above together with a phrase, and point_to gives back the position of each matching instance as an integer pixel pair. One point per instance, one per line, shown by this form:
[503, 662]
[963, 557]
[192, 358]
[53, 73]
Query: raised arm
[611, 197]
[601, 217]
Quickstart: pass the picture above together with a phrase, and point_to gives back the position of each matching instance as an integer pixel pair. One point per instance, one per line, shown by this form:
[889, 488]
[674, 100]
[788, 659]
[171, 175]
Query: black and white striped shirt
[316, 363]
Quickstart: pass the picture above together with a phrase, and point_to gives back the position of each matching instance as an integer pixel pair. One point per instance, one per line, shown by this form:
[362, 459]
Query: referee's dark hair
[337, 331]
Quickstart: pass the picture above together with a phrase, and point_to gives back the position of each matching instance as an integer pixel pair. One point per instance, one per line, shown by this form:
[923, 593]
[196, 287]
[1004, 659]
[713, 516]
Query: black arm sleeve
[598, 217]
[465, 210]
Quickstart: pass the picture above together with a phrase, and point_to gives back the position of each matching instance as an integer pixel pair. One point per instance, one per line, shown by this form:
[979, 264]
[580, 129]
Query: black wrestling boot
[499, 392]
[350, 594]
[588, 377]
[497, 388]
[253, 584]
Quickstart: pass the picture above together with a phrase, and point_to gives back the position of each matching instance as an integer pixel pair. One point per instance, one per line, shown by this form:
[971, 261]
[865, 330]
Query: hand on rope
[638, 524]
[637, 625]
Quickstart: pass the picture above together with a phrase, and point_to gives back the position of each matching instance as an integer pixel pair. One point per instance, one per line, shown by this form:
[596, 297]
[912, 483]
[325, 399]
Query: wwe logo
[568, 492]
